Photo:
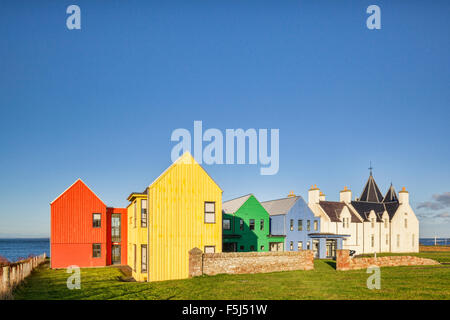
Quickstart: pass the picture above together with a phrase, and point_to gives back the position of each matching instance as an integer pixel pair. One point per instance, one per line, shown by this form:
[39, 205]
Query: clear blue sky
[100, 103]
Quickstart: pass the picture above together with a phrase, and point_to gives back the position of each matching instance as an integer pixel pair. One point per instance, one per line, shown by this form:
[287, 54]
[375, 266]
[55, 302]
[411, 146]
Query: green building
[246, 227]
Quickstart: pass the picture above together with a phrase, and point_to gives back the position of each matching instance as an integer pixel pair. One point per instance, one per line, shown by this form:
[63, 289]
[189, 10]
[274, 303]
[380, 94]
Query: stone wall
[344, 262]
[248, 262]
[14, 273]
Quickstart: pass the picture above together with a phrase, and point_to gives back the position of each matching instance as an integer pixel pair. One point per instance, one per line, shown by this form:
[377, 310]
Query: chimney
[403, 196]
[313, 195]
[321, 196]
[345, 195]
[291, 194]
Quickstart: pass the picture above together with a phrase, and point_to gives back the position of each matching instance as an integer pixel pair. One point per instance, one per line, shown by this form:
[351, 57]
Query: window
[308, 225]
[387, 239]
[316, 225]
[406, 223]
[96, 220]
[252, 248]
[115, 227]
[291, 245]
[398, 240]
[300, 225]
[135, 214]
[300, 245]
[372, 222]
[291, 226]
[144, 258]
[413, 242]
[135, 257]
[143, 213]
[241, 248]
[96, 250]
[210, 212]
[210, 249]
[308, 245]
[252, 224]
[262, 248]
[372, 241]
[385, 223]
[261, 224]
[241, 224]
[226, 224]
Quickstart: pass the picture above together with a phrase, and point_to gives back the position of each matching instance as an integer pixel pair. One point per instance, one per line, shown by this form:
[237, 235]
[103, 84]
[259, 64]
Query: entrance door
[229, 247]
[115, 254]
[331, 249]
[316, 248]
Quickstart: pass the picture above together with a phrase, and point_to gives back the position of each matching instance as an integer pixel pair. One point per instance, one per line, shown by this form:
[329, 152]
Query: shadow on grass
[331, 263]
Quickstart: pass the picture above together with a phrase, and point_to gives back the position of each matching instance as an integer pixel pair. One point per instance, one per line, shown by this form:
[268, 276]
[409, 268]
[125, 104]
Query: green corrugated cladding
[245, 239]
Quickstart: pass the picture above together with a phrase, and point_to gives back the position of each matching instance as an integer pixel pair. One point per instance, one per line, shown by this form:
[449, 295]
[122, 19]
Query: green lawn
[421, 282]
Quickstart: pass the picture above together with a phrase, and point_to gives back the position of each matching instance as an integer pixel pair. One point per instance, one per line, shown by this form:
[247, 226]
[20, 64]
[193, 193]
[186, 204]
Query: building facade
[371, 223]
[292, 218]
[84, 231]
[184, 211]
[246, 227]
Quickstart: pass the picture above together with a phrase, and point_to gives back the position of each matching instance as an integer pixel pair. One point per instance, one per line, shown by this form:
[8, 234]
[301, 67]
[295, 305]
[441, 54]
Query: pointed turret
[391, 195]
[371, 192]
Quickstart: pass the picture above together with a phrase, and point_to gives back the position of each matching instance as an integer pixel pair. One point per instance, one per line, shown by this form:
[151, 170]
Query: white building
[374, 223]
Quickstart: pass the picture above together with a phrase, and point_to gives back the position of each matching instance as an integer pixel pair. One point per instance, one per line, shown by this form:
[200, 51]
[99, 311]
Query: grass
[421, 282]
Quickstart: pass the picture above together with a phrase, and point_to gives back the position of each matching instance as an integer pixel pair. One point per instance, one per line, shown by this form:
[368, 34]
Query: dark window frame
[94, 220]
[261, 225]
[241, 224]
[251, 225]
[299, 225]
[95, 250]
[144, 262]
[209, 212]
[308, 225]
[229, 224]
[144, 214]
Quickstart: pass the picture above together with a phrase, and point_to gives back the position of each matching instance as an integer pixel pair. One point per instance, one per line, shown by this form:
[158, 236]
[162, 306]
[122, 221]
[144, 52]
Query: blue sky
[101, 103]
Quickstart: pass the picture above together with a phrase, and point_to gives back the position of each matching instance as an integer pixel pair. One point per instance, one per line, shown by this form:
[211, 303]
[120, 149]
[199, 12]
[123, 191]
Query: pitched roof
[83, 184]
[279, 206]
[233, 205]
[364, 208]
[391, 195]
[333, 209]
[371, 192]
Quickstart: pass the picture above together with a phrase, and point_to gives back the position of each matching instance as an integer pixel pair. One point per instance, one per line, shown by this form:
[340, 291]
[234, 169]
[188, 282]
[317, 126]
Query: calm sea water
[14, 249]
[439, 241]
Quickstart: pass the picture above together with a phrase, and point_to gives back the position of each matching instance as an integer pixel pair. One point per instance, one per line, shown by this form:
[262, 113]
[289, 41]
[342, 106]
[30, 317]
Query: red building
[84, 231]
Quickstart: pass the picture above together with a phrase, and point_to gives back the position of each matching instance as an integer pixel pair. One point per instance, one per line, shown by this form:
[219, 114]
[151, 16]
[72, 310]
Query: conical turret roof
[391, 195]
[371, 192]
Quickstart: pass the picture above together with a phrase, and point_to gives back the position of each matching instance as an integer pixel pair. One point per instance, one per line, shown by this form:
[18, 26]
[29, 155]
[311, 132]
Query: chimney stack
[321, 196]
[345, 195]
[291, 194]
[313, 195]
[403, 196]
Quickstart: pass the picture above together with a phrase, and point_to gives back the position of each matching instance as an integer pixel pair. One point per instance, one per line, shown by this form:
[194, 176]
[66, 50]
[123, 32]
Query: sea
[18, 249]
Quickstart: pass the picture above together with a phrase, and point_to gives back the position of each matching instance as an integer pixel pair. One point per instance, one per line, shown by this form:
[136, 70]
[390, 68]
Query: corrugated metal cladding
[177, 218]
[72, 231]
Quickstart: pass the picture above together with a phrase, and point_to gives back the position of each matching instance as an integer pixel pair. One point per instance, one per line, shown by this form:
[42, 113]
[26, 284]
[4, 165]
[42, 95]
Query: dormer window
[406, 223]
[372, 221]
[385, 223]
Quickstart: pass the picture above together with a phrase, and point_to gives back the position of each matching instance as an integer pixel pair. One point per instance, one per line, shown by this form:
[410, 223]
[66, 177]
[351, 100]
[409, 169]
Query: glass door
[115, 254]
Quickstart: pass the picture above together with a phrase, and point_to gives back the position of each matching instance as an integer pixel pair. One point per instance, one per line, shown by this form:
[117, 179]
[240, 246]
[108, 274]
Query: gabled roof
[333, 210]
[72, 185]
[233, 205]
[391, 195]
[364, 208]
[185, 158]
[371, 192]
[279, 206]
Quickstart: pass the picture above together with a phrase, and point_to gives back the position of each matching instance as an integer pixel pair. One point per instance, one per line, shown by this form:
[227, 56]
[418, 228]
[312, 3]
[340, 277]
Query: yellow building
[184, 211]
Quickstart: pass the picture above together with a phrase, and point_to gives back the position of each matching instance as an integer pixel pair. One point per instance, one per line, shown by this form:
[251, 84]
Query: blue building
[291, 217]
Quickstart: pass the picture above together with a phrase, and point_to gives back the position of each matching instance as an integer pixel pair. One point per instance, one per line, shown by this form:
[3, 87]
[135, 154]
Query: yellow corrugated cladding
[177, 218]
[137, 236]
